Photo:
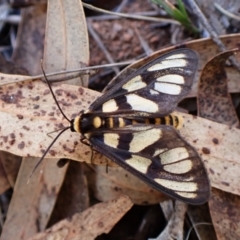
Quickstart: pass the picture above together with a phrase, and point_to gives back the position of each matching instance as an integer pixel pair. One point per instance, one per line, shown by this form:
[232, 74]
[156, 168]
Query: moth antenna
[63, 130]
[46, 151]
[53, 95]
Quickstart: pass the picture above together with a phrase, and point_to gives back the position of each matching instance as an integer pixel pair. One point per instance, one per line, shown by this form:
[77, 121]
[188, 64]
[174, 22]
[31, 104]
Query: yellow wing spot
[171, 78]
[153, 92]
[141, 164]
[134, 84]
[167, 88]
[187, 195]
[174, 155]
[159, 151]
[144, 139]
[178, 186]
[141, 104]
[179, 167]
[175, 56]
[110, 106]
[97, 122]
[111, 139]
[168, 64]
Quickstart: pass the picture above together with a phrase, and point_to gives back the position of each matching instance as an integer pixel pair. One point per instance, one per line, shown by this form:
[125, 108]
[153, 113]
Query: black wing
[154, 89]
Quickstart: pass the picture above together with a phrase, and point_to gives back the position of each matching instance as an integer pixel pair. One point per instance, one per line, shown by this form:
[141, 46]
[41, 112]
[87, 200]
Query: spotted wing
[154, 89]
[158, 156]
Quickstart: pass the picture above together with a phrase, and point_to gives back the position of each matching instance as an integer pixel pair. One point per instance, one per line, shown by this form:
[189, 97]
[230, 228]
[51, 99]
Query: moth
[133, 125]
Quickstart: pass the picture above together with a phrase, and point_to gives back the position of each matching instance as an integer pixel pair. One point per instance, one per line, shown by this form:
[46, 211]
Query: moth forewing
[156, 87]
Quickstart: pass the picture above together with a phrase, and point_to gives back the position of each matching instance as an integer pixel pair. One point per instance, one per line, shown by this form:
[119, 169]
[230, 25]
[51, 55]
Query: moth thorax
[87, 122]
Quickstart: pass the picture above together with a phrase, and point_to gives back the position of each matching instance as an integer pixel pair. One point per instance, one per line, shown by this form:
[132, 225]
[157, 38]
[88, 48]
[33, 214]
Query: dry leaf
[214, 101]
[32, 202]
[28, 51]
[9, 167]
[67, 47]
[89, 224]
[73, 196]
[174, 228]
[201, 221]
[117, 181]
[4, 183]
[224, 208]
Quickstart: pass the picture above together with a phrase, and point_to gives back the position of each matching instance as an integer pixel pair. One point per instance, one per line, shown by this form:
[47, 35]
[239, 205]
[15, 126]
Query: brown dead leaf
[200, 219]
[89, 224]
[4, 183]
[68, 47]
[224, 208]
[32, 202]
[215, 104]
[9, 167]
[73, 196]
[29, 44]
[214, 101]
[117, 181]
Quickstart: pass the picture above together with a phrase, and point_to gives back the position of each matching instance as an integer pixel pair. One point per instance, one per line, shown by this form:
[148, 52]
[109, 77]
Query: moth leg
[107, 167]
[84, 140]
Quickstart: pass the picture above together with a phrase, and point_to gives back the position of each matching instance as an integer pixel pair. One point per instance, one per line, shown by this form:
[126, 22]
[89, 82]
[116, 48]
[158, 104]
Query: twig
[197, 11]
[111, 17]
[225, 12]
[101, 45]
[132, 16]
[144, 44]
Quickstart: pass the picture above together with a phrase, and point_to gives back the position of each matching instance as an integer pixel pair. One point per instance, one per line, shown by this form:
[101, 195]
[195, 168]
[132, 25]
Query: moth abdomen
[90, 122]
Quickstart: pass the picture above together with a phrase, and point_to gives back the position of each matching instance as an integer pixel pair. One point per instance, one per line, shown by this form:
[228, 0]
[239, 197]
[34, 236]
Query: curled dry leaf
[89, 224]
[215, 103]
[214, 100]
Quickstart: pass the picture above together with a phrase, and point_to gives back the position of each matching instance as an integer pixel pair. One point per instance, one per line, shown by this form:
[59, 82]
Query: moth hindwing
[133, 126]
